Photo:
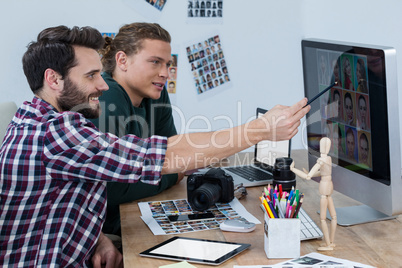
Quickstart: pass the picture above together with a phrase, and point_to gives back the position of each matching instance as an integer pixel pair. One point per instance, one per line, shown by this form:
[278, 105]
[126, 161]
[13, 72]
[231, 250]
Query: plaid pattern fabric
[54, 168]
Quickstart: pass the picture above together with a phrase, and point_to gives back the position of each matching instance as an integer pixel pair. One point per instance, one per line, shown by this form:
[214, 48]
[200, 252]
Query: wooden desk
[378, 244]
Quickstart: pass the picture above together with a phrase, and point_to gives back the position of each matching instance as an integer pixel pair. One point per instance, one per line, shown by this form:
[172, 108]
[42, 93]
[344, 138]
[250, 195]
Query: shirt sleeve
[74, 149]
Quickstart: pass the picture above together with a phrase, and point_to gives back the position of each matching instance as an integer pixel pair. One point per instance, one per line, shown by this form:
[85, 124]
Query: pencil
[280, 211]
[296, 215]
[272, 209]
[297, 196]
[292, 212]
[288, 208]
[264, 202]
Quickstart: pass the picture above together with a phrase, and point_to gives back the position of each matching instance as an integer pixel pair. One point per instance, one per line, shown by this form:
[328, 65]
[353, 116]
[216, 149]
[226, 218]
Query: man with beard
[55, 163]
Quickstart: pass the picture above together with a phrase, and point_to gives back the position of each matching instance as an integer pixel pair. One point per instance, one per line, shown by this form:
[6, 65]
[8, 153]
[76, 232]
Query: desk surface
[378, 244]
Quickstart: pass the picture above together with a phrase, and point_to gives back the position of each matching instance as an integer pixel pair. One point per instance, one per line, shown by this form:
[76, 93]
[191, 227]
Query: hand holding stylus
[319, 94]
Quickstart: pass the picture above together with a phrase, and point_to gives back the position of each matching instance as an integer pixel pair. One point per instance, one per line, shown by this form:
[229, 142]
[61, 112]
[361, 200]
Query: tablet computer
[195, 250]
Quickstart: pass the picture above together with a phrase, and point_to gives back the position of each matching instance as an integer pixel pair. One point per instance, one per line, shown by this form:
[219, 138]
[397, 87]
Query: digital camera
[204, 190]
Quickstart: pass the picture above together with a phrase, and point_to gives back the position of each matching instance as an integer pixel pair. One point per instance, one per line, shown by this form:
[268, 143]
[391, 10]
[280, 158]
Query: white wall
[360, 21]
[260, 38]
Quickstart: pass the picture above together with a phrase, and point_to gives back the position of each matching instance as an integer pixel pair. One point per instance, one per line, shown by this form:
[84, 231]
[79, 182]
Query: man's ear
[52, 79]
[121, 60]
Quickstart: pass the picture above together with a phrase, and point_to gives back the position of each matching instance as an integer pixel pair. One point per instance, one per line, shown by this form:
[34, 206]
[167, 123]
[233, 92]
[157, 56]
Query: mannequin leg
[324, 226]
[332, 212]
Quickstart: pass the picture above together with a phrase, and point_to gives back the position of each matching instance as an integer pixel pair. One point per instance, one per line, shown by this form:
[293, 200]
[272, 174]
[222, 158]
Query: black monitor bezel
[381, 170]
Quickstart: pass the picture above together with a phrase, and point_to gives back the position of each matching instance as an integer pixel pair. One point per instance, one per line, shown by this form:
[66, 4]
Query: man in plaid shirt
[54, 163]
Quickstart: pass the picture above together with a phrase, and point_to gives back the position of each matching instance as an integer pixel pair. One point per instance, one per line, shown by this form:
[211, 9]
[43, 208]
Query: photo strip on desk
[310, 260]
[281, 204]
[155, 215]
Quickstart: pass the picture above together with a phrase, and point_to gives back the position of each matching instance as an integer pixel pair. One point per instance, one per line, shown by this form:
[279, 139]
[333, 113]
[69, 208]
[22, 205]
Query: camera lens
[282, 173]
[205, 196]
[283, 163]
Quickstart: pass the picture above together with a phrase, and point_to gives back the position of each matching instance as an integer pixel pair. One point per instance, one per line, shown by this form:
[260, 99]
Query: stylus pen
[319, 94]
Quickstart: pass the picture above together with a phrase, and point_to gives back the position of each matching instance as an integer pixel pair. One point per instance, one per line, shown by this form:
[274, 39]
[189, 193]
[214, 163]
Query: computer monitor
[360, 115]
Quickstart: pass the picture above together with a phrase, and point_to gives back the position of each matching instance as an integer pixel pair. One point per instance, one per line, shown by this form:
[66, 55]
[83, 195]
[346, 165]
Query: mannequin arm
[315, 170]
[298, 172]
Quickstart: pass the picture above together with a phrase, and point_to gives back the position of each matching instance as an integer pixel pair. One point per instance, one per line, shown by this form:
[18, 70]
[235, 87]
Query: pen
[319, 94]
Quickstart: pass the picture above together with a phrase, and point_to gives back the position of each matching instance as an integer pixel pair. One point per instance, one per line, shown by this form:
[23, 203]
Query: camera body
[282, 173]
[204, 190]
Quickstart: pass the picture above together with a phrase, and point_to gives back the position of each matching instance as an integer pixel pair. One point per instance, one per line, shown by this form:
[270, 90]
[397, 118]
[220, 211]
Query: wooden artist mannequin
[323, 168]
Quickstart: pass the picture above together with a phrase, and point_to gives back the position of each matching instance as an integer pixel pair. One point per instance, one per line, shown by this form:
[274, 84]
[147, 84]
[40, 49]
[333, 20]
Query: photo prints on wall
[205, 11]
[208, 64]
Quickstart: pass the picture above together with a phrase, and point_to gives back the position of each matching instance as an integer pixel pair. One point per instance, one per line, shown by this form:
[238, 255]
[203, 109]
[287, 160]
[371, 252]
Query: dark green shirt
[120, 117]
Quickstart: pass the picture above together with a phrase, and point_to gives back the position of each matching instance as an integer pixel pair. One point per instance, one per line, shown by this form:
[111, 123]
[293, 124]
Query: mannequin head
[325, 145]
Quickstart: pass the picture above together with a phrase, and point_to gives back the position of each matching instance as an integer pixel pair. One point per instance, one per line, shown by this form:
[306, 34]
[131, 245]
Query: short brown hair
[54, 49]
[129, 39]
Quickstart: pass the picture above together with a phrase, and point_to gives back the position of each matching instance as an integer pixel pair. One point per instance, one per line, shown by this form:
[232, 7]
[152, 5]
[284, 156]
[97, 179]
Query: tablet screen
[195, 250]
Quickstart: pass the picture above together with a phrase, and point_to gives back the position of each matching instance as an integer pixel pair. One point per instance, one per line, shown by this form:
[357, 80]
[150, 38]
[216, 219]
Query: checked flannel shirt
[54, 168]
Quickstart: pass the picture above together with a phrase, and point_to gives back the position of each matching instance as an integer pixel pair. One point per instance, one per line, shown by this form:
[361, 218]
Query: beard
[73, 99]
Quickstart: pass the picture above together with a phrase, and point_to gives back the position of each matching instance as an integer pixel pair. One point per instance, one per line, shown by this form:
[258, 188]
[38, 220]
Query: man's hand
[180, 176]
[106, 254]
[281, 122]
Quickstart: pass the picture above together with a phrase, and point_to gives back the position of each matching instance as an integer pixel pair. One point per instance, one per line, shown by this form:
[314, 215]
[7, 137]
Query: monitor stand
[347, 216]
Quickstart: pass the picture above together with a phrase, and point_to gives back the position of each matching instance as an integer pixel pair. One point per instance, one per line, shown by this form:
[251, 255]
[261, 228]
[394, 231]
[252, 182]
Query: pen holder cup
[281, 238]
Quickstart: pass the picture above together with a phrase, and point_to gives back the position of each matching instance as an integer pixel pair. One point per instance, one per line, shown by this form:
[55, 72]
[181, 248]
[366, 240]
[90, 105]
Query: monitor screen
[359, 114]
[353, 113]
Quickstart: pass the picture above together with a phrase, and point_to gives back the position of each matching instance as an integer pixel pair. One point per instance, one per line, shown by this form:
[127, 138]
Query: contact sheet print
[208, 64]
[312, 260]
[204, 11]
[155, 215]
